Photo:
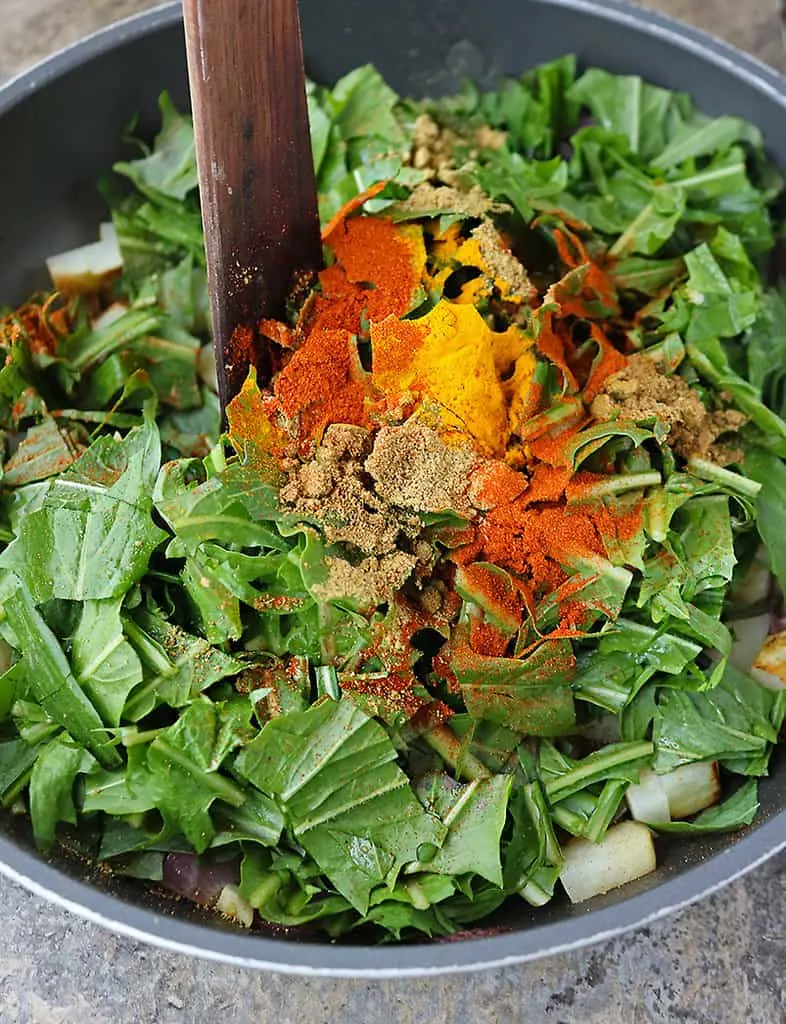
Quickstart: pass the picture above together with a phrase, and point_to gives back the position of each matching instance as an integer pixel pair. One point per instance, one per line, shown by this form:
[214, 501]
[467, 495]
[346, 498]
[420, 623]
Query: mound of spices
[428, 448]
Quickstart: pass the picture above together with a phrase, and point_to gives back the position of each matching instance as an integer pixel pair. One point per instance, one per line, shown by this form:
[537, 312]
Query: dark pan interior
[60, 131]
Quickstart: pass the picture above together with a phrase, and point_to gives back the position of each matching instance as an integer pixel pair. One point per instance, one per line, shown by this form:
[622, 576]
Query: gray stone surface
[721, 962]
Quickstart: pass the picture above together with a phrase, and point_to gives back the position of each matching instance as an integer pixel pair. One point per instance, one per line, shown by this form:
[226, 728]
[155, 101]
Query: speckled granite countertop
[721, 962]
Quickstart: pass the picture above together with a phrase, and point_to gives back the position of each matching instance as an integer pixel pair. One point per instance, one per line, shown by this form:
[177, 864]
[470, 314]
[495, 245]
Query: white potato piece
[647, 800]
[691, 787]
[627, 852]
[87, 268]
[769, 665]
[678, 794]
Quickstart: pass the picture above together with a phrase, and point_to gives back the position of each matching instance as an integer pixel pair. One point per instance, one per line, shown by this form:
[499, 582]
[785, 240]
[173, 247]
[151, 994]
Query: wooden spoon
[256, 174]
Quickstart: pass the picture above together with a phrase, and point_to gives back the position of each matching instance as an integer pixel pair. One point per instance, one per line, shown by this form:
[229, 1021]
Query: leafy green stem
[606, 808]
[595, 767]
[621, 483]
[706, 470]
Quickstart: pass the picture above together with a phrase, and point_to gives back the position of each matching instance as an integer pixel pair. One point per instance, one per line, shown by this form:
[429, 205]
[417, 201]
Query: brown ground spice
[365, 491]
[432, 149]
[427, 197]
[334, 490]
[641, 391]
[375, 578]
[504, 266]
[413, 468]
[489, 138]
[433, 146]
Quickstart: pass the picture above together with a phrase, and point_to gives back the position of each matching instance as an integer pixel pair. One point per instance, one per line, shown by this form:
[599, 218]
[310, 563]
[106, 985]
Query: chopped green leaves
[104, 662]
[91, 539]
[736, 722]
[170, 169]
[45, 674]
[475, 815]
[333, 772]
[530, 695]
[52, 785]
[179, 772]
[733, 813]
[628, 106]
[360, 136]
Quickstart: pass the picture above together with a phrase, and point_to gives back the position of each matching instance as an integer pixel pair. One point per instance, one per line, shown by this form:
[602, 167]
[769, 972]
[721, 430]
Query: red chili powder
[598, 284]
[570, 248]
[320, 383]
[556, 346]
[352, 206]
[608, 521]
[532, 542]
[580, 483]
[487, 639]
[281, 334]
[395, 691]
[374, 274]
[567, 533]
[499, 591]
[574, 615]
[395, 343]
[339, 307]
[622, 527]
[442, 667]
[552, 450]
[546, 573]
[495, 483]
[608, 361]
[548, 483]
[42, 326]
[434, 714]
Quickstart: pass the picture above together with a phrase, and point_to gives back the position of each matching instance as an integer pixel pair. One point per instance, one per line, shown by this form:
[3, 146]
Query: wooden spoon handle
[256, 172]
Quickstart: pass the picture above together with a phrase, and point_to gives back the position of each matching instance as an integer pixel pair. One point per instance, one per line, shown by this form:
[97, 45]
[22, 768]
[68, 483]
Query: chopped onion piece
[197, 880]
[87, 268]
[749, 635]
[590, 869]
[233, 906]
[647, 800]
[769, 665]
[107, 232]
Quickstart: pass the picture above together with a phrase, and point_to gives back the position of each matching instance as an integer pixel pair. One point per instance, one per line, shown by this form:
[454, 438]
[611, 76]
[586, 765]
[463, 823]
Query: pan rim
[328, 960]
